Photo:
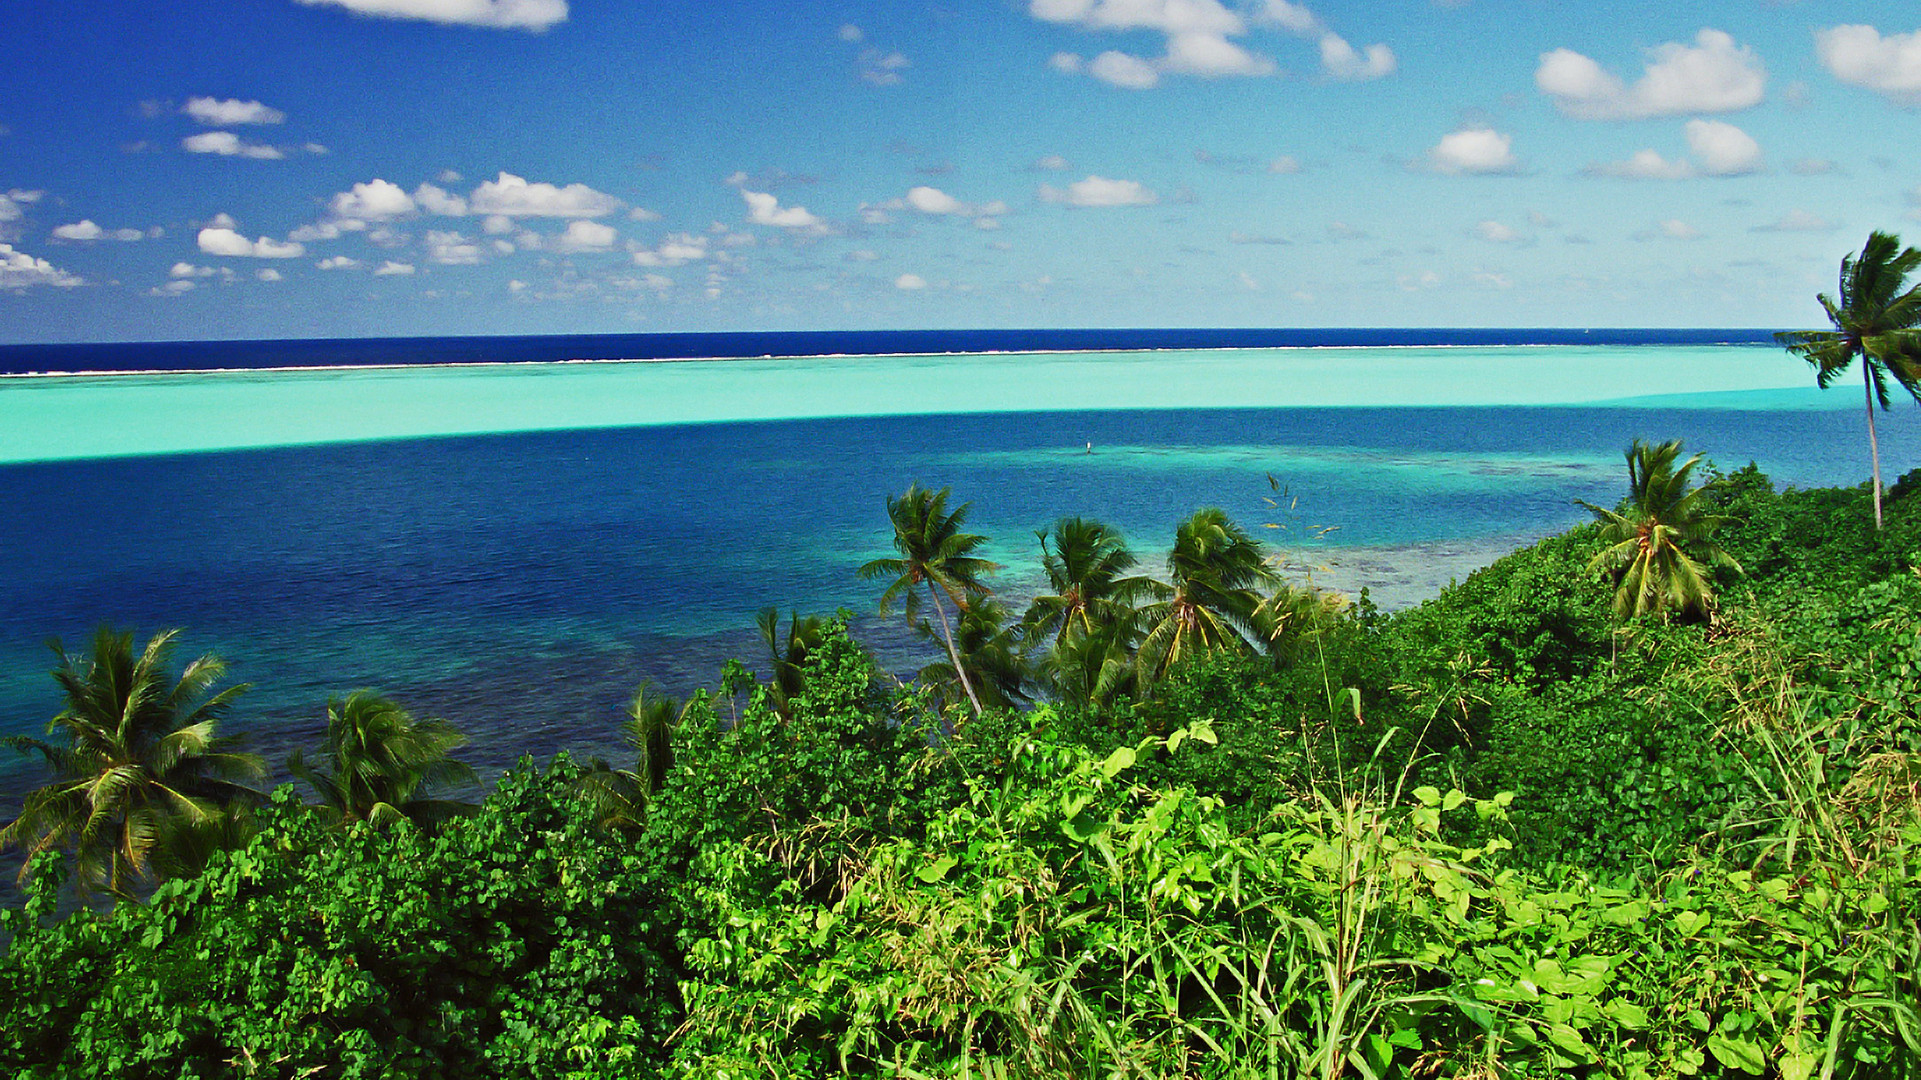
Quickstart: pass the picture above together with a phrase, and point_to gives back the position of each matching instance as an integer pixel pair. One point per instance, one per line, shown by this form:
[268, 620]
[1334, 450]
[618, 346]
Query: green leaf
[1627, 1014]
[1121, 758]
[1743, 1054]
[1569, 1041]
[1428, 795]
[937, 870]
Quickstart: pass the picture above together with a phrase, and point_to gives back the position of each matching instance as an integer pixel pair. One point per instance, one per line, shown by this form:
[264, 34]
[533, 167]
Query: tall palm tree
[1657, 547]
[1215, 572]
[381, 762]
[1086, 564]
[1875, 319]
[143, 777]
[621, 795]
[935, 555]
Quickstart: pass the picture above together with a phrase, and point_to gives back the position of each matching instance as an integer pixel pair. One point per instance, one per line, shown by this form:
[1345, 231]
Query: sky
[204, 170]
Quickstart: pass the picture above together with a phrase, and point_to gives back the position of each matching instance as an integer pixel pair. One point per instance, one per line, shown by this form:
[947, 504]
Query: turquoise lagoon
[515, 546]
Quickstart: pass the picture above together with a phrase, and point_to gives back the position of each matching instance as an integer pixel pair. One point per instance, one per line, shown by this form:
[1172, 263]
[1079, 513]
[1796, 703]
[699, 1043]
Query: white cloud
[641, 213]
[87, 230]
[338, 262]
[451, 249]
[434, 200]
[227, 144]
[1341, 61]
[189, 270]
[1053, 163]
[1127, 72]
[268, 274]
[1713, 75]
[861, 255]
[850, 32]
[375, 200]
[1723, 149]
[1812, 167]
[223, 221]
[533, 15]
[930, 200]
[1859, 55]
[1676, 229]
[1198, 36]
[512, 196]
[1285, 165]
[1644, 165]
[585, 236]
[227, 112]
[1100, 191]
[910, 282]
[676, 249]
[764, 209]
[225, 241]
[19, 270]
[882, 67]
[391, 268]
[1474, 151]
[1720, 149]
[1798, 221]
[1212, 56]
[1294, 18]
[1496, 233]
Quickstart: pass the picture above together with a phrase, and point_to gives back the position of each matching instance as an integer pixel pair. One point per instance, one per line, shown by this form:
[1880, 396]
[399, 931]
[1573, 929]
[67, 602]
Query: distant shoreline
[147, 358]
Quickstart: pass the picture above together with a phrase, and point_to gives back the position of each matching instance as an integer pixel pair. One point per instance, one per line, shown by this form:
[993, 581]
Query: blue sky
[322, 168]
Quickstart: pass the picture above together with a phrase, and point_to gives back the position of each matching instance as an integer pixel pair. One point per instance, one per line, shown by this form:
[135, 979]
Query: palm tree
[1086, 563]
[937, 555]
[1875, 319]
[620, 796]
[381, 762]
[1208, 602]
[143, 778]
[1657, 547]
[991, 656]
[787, 654]
[1291, 616]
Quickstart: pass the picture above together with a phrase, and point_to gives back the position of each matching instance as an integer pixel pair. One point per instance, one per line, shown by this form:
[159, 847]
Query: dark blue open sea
[520, 583]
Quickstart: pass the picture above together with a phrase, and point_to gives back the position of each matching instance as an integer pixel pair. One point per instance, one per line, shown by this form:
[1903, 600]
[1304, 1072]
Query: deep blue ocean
[521, 585]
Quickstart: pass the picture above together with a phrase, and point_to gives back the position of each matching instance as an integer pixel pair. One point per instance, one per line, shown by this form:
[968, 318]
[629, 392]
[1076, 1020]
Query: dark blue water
[521, 585]
[209, 355]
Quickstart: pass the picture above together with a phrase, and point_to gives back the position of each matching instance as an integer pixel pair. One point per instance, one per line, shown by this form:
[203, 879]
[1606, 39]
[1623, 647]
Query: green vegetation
[1530, 828]
[1876, 318]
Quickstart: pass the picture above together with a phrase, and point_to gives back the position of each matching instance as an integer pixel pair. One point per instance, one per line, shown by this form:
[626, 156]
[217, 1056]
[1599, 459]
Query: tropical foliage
[935, 555]
[1497, 834]
[143, 779]
[1877, 318]
[1660, 543]
[380, 764]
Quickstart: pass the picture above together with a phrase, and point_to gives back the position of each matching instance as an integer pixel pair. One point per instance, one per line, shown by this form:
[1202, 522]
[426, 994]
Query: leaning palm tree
[1086, 564]
[620, 796]
[381, 763]
[1661, 541]
[143, 780]
[1876, 319]
[937, 556]
[991, 656]
[1208, 603]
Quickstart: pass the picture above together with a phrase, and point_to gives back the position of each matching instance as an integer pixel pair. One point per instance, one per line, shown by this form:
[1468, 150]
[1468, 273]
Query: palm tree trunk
[952, 654]
[1874, 447]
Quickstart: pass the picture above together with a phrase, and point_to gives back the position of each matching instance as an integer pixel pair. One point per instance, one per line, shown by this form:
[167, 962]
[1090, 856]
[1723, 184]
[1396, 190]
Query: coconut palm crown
[1875, 319]
[937, 557]
[1661, 542]
[1215, 574]
[381, 762]
[142, 775]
